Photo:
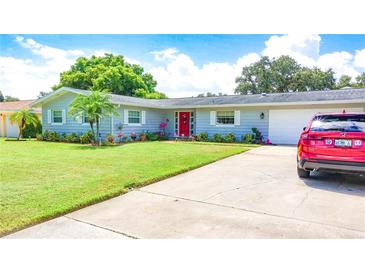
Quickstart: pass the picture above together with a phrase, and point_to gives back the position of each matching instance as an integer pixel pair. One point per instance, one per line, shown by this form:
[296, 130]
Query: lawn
[40, 180]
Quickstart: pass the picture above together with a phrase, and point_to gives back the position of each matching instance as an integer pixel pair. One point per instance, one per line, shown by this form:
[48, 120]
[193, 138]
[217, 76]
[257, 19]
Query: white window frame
[52, 117]
[140, 117]
[225, 125]
[83, 119]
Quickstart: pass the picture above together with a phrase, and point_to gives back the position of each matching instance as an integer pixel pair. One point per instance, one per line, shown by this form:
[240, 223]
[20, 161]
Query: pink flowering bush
[163, 127]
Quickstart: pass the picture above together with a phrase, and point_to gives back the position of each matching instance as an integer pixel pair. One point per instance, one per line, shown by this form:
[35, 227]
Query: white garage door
[285, 125]
[11, 130]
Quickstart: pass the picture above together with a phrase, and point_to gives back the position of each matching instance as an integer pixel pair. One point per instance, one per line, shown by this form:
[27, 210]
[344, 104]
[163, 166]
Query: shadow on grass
[215, 144]
[91, 147]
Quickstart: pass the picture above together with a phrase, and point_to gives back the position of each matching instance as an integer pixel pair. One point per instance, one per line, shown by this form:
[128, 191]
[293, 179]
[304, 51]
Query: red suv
[332, 142]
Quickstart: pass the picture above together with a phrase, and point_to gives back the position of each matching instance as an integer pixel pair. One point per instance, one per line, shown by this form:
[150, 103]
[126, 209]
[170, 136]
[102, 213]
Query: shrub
[229, 138]
[218, 138]
[248, 138]
[110, 138]
[46, 135]
[54, 136]
[32, 131]
[259, 139]
[142, 137]
[75, 138]
[63, 137]
[72, 138]
[202, 136]
[39, 137]
[133, 136]
[152, 136]
[87, 137]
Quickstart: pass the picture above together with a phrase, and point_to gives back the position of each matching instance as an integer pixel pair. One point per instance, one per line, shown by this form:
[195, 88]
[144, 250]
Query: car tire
[302, 173]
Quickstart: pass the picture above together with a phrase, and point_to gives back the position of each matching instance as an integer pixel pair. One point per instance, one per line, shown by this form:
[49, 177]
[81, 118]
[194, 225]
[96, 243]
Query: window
[192, 123]
[344, 123]
[225, 117]
[176, 123]
[134, 117]
[85, 119]
[57, 117]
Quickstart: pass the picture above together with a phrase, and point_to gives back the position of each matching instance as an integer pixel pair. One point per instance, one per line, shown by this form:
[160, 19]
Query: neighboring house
[7, 129]
[280, 117]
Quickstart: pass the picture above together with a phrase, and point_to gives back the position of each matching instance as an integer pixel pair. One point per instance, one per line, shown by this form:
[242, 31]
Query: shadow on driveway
[350, 184]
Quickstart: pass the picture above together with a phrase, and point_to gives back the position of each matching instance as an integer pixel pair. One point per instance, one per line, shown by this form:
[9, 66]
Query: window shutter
[63, 116]
[143, 117]
[126, 116]
[213, 115]
[49, 116]
[237, 117]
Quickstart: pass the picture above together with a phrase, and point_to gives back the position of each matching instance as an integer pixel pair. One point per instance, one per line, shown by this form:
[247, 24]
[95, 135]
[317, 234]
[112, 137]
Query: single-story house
[7, 129]
[280, 117]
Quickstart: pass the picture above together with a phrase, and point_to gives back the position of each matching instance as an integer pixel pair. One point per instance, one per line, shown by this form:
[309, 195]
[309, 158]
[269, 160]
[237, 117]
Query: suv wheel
[302, 173]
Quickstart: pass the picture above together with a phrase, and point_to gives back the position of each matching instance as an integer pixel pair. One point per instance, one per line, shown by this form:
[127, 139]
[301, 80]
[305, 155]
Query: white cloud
[25, 78]
[182, 77]
[303, 48]
[359, 59]
[341, 62]
[166, 54]
[100, 53]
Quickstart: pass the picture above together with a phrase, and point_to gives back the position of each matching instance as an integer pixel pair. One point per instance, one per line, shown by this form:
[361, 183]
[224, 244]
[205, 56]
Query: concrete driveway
[256, 194]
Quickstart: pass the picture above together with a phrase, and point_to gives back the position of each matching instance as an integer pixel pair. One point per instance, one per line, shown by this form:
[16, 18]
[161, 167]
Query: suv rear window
[331, 122]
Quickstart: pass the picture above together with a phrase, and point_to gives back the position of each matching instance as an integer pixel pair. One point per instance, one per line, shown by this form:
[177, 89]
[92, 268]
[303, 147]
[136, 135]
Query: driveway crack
[232, 189]
[101, 227]
[301, 202]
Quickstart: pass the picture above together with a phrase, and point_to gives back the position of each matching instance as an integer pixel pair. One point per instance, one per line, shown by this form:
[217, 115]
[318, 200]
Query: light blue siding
[249, 118]
[71, 125]
[154, 117]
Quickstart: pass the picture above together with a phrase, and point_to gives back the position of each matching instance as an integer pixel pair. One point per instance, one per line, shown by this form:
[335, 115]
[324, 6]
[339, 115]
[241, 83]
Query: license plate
[343, 143]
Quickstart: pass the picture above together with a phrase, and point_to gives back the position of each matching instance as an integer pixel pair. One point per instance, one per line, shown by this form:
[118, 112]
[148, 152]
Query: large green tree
[344, 81]
[110, 73]
[360, 81]
[9, 98]
[313, 79]
[282, 74]
[95, 106]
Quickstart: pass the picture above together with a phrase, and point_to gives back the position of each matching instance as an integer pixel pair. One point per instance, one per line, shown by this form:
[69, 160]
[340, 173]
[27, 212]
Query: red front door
[184, 124]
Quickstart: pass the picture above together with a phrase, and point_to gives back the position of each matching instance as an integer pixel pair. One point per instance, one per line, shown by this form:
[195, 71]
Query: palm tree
[23, 118]
[95, 106]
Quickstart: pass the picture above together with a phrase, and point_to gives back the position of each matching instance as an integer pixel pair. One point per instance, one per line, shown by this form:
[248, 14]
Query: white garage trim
[285, 125]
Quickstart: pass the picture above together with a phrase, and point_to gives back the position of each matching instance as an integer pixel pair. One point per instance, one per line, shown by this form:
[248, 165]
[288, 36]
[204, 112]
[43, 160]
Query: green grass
[40, 180]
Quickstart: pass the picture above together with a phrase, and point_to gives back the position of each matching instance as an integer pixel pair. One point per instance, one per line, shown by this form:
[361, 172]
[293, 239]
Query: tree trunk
[92, 130]
[21, 126]
[97, 130]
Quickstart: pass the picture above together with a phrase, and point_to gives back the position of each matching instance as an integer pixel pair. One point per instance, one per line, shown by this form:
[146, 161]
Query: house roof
[289, 98]
[18, 105]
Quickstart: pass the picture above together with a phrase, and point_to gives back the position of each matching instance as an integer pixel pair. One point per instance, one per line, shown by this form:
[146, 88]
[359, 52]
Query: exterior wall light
[262, 115]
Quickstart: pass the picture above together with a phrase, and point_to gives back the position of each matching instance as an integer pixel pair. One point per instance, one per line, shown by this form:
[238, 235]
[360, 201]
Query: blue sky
[184, 65]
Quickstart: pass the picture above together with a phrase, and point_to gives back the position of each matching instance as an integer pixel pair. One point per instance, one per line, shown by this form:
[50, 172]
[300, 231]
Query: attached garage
[285, 125]
[7, 129]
